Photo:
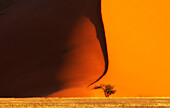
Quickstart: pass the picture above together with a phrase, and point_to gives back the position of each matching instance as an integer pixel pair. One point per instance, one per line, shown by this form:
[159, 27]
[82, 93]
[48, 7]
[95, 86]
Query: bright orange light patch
[138, 39]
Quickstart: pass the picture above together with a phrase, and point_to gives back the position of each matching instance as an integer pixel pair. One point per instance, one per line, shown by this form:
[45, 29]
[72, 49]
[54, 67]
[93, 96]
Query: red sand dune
[138, 40]
[50, 45]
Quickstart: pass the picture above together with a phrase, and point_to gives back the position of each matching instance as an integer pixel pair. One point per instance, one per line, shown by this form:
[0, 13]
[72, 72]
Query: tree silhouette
[108, 89]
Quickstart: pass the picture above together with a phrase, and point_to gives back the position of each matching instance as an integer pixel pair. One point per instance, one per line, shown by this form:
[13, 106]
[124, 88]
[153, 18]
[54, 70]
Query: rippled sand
[84, 102]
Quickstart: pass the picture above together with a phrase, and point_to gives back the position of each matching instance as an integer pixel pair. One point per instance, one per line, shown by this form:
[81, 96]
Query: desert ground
[95, 102]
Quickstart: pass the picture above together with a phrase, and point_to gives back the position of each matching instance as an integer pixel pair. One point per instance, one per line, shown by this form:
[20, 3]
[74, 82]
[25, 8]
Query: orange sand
[137, 33]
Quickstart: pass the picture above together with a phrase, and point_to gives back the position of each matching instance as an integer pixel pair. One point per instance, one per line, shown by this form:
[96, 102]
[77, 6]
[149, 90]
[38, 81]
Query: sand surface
[84, 102]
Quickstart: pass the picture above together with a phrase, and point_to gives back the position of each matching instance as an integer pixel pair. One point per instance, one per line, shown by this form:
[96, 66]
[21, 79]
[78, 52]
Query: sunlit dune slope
[138, 39]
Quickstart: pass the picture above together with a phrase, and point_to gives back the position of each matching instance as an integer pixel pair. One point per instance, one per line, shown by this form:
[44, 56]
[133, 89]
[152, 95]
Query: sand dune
[50, 45]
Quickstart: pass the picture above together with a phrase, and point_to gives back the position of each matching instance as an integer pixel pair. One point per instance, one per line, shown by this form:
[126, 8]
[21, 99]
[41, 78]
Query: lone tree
[108, 89]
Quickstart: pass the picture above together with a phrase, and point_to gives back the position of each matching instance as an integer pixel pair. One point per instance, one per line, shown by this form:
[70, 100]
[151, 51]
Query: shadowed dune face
[50, 45]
